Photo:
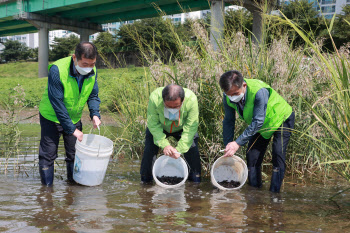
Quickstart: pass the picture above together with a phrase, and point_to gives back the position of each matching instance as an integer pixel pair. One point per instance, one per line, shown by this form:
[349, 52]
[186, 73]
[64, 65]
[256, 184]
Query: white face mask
[172, 114]
[83, 71]
[236, 98]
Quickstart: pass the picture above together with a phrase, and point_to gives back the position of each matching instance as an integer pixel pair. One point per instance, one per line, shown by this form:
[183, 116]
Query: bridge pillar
[257, 26]
[217, 23]
[257, 11]
[84, 35]
[43, 55]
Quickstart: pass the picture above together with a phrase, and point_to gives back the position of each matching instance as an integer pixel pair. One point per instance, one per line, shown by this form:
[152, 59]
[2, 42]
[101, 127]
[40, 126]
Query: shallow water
[122, 204]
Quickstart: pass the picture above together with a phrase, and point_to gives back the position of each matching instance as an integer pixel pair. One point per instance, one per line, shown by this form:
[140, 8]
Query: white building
[31, 40]
[109, 27]
[328, 7]
[181, 18]
[60, 34]
[331, 7]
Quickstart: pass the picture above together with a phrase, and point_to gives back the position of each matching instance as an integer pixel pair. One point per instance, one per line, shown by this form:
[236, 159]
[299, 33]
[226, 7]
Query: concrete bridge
[86, 16]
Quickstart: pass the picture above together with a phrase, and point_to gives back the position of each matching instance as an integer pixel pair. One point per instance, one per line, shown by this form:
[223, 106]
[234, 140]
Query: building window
[328, 9]
[329, 16]
[328, 1]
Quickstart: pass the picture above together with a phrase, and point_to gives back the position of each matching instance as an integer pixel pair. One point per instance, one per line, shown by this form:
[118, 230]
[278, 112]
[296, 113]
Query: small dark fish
[170, 180]
[229, 184]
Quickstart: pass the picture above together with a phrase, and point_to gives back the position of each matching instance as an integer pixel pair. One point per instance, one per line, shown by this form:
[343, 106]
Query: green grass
[19, 70]
[33, 88]
[26, 75]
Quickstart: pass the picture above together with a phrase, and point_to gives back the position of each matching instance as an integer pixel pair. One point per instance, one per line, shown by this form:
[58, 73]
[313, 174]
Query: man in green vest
[72, 82]
[172, 111]
[267, 114]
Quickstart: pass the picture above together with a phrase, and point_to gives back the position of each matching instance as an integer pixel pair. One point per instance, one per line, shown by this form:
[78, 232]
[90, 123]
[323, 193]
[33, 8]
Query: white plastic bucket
[91, 159]
[167, 166]
[230, 169]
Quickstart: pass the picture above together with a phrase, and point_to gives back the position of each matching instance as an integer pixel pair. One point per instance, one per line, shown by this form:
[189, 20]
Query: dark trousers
[151, 150]
[50, 136]
[257, 145]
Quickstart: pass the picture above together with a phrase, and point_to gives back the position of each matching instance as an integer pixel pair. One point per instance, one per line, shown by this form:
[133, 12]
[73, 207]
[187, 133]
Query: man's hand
[171, 152]
[176, 155]
[231, 149]
[96, 121]
[78, 134]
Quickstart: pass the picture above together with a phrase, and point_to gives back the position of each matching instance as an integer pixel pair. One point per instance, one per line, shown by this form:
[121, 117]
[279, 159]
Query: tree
[303, 14]
[14, 51]
[33, 54]
[238, 20]
[341, 32]
[62, 47]
[158, 33]
[105, 42]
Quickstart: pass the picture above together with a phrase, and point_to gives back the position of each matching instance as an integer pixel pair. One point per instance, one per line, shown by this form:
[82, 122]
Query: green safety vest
[188, 121]
[73, 100]
[278, 110]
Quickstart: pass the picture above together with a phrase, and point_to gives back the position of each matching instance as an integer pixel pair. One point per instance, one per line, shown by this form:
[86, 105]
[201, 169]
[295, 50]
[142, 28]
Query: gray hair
[173, 92]
[230, 78]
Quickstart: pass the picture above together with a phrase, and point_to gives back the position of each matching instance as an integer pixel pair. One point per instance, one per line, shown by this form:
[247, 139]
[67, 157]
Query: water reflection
[173, 209]
[90, 206]
[168, 201]
[229, 207]
[72, 209]
[53, 211]
[156, 200]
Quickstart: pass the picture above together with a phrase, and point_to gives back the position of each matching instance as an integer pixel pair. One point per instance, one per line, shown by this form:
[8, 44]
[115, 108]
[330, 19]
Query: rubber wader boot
[46, 174]
[70, 167]
[194, 177]
[254, 176]
[146, 179]
[276, 179]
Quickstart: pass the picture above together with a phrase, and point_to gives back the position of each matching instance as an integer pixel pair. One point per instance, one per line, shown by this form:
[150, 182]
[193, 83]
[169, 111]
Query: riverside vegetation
[314, 82]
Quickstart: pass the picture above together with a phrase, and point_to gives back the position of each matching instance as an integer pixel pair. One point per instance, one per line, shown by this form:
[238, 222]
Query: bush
[62, 47]
[15, 51]
[154, 33]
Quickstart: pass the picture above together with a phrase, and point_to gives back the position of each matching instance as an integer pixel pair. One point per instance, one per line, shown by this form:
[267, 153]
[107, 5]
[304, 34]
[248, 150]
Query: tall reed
[129, 98]
[332, 109]
[302, 76]
[9, 131]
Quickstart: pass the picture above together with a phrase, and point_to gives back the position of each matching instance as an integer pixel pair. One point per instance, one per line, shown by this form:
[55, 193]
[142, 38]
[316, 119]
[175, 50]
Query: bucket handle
[99, 131]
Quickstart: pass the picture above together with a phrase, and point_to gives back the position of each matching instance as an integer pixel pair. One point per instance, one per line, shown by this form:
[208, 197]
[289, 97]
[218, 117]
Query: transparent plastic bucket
[91, 159]
[230, 169]
[167, 166]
